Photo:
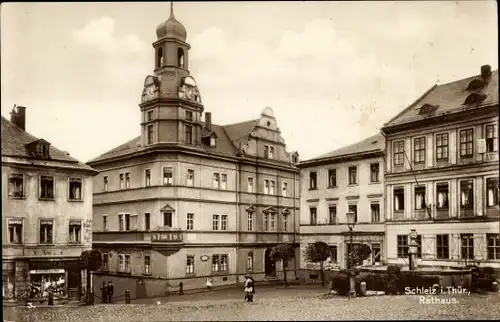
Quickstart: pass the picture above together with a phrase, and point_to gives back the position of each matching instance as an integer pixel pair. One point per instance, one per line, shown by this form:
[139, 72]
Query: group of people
[107, 292]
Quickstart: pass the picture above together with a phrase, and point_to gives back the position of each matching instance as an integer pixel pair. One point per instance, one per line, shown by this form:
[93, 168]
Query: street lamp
[351, 216]
[413, 248]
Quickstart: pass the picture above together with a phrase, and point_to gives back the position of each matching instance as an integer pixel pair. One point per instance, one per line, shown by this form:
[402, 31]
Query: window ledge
[220, 273]
[46, 199]
[17, 197]
[78, 243]
[146, 274]
[353, 184]
[75, 200]
[313, 189]
[46, 244]
[375, 182]
[332, 187]
[124, 273]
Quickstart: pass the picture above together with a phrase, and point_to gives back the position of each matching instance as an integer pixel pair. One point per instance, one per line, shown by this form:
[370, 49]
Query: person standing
[249, 289]
[209, 284]
[110, 290]
[104, 293]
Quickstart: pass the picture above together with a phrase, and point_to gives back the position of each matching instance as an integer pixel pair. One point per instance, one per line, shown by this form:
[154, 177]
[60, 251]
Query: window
[442, 195]
[399, 150]
[75, 232]
[374, 172]
[399, 199]
[190, 177]
[127, 221]
[147, 176]
[216, 181]
[442, 147]
[376, 254]
[312, 180]
[284, 189]
[419, 150]
[285, 222]
[190, 265]
[46, 232]
[418, 239]
[189, 116]
[16, 186]
[273, 222]
[127, 180]
[250, 261]
[402, 246]
[189, 134]
[271, 152]
[168, 176]
[104, 222]
[15, 231]
[105, 262]
[120, 222]
[223, 263]
[491, 138]
[223, 181]
[190, 222]
[46, 187]
[147, 265]
[272, 187]
[167, 219]
[375, 207]
[442, 247]
[127, 263]
[467, 246]
[124, 263]
[492, 192]
[215, 222]
[266, 222]
[216, 263]
[353, 175]
[149, 116]
[106, 183]
[332, 215]
[122, 181]
[266, 187]
[313, 216]
[213, 142]
[249, 221]
[332, 178]
[149, 134]
[249, 184]
[493, 246]
[466, 143]
[354, 209]
[223, 222]
[268, 152]
[333, 253]
[147, 221]
[466, 194]
[420, 198]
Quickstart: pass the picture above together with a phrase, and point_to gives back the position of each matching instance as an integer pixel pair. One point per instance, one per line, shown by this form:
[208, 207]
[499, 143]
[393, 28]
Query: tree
[283, 253]
[359, 253]
[318, 252]
[90, 260]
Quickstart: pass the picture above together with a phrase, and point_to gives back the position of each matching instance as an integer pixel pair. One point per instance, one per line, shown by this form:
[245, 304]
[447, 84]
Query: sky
[333, 72]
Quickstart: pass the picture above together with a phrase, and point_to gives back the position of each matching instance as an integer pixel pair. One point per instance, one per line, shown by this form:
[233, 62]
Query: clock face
[189, 93]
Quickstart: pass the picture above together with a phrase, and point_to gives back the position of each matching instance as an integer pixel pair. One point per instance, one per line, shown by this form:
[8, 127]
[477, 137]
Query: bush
[483, 278]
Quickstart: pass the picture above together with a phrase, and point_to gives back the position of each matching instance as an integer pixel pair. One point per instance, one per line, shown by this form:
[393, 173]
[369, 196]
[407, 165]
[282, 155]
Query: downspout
[297, 258]
[386, 206]
[238, 213]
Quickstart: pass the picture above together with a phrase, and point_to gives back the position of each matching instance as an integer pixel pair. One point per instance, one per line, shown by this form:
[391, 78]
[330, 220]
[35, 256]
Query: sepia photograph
[250, 161]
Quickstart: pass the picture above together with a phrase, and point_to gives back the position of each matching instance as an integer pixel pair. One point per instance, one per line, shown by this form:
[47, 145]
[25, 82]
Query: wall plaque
[204, 258]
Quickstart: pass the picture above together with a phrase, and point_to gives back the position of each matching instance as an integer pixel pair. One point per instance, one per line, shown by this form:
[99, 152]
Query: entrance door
[269, 264]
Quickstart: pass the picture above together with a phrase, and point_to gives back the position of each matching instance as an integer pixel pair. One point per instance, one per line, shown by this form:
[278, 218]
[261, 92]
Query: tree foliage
[283, 253]
[317, 252]
[360, 252]
[91, 260]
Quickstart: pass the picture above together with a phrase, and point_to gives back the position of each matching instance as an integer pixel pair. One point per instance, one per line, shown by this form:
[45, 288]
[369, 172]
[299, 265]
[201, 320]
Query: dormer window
[268, 152]
[39, 148]
[213, 142]
[476, 84]
[428, 109]
[474, 98]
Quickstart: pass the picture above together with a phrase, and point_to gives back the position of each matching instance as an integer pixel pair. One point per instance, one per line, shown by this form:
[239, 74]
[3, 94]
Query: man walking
[110, 290]
[104, 293]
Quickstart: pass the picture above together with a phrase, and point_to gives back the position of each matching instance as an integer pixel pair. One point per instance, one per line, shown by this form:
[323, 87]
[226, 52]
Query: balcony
[442, 213]
[398, 215]
[166, 242]
[421, 214]
[466, 213]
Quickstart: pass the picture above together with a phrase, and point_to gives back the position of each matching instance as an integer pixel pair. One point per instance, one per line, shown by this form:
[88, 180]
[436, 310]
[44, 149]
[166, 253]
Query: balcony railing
[442, 213]
[399, 215]
[164, 236]
[467, 212]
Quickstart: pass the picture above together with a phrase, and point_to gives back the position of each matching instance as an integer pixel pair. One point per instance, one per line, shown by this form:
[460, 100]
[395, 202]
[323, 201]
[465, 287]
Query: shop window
[42, 283]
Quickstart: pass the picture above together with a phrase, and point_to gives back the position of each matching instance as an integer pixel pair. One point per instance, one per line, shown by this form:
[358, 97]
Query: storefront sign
[47, 271]
[160, 237]
[371, 238]
[45, 264]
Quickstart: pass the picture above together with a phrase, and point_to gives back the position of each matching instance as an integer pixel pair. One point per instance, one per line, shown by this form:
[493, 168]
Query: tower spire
[172, 10]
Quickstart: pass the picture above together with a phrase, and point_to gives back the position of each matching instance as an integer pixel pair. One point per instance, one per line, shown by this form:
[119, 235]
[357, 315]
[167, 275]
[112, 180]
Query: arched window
[250, 261]
[159, 58]
[180, 57]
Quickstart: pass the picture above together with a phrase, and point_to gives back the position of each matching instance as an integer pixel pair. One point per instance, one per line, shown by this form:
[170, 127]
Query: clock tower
[171, 105]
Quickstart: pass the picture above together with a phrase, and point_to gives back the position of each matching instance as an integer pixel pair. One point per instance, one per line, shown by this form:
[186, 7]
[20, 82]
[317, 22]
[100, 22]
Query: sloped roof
[227, 141]
[373, 143]
[449, 98]
[14, 141]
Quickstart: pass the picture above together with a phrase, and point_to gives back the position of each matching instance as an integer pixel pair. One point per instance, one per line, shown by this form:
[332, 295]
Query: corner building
[442, 175]
[189, 199]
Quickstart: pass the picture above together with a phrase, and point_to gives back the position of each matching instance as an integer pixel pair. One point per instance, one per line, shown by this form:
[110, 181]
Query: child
[209, 284]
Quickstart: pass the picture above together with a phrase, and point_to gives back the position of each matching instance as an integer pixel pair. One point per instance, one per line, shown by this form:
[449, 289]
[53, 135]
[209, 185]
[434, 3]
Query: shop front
[61, 277]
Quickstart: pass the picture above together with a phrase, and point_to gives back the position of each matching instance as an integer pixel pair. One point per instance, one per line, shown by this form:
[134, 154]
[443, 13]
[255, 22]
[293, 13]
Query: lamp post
[350, 224]
[413, 248]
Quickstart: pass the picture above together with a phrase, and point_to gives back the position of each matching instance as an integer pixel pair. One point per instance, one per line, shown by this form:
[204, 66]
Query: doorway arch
[269, 264]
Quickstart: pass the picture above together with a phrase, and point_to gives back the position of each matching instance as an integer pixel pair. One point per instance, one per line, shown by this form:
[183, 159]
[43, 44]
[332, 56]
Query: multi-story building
[189, 200]
[348, 179]
[442, 175]
[46, 215]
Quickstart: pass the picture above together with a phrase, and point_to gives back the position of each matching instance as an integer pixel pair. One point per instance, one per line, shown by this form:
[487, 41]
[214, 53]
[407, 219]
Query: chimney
[18, 116]
[208, 121]
[485, 71]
